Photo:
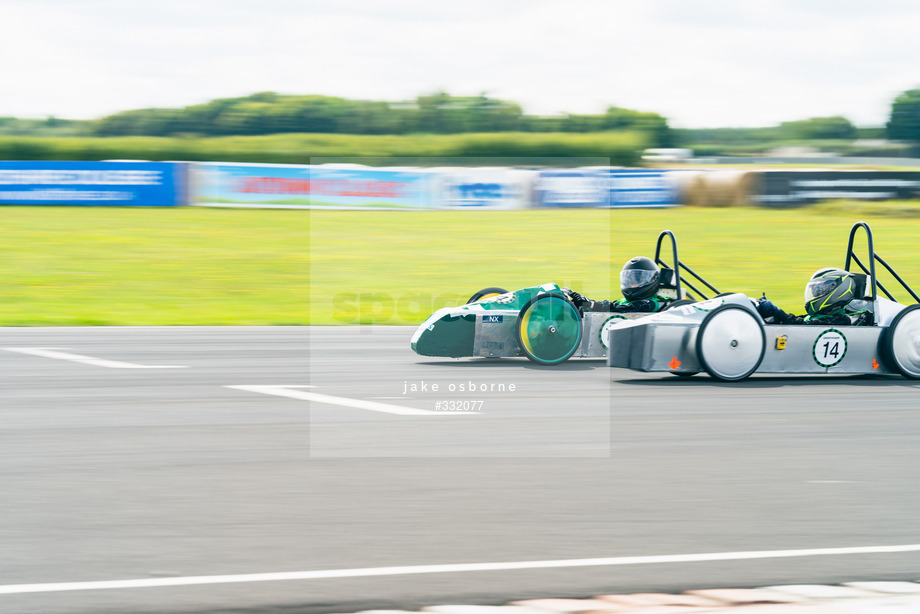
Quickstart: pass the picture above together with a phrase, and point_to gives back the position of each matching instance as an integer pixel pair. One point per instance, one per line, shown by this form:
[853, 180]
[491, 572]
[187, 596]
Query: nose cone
[444, 334]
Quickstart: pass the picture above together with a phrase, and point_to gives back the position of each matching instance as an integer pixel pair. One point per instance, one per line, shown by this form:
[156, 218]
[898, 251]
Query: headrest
[863, 287]
[666, 279]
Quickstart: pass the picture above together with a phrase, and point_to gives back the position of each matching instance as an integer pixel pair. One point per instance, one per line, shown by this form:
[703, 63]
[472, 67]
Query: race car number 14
[830, 348]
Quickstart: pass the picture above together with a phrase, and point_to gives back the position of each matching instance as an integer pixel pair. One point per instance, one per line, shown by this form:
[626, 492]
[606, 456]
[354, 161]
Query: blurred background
[413, 79]
[548, 116]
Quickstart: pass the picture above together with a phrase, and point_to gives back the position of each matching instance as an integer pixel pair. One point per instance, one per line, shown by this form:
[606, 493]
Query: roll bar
[678, 265]
[873, 258]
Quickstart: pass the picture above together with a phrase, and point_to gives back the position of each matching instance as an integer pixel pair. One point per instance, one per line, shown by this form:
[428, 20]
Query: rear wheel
[901, 346]
[730, 343]
[486, 293]
[549, 329]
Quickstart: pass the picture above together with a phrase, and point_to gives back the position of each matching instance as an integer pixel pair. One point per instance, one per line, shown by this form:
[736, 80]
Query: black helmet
[829, 289]
[639, 279]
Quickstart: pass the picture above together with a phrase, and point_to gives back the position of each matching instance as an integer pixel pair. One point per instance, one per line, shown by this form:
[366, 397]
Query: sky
[699, 63]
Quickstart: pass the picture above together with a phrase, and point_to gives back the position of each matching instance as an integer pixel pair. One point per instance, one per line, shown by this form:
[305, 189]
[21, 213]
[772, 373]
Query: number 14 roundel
[830, 348]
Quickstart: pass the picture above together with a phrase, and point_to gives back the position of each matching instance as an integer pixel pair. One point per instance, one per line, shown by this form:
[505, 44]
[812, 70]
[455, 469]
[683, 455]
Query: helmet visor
[636, 278]
[819, 287]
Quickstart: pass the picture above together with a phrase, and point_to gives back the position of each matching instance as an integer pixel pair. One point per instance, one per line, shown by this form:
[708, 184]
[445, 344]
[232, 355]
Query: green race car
[539, 322]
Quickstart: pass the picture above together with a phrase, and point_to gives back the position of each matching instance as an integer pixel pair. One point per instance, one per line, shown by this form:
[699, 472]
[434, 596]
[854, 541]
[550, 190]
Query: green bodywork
[451, 331]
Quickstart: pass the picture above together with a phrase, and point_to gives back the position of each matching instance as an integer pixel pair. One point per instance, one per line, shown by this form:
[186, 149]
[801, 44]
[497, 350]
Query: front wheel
[730, 343]
[549, 329]
[901, 346]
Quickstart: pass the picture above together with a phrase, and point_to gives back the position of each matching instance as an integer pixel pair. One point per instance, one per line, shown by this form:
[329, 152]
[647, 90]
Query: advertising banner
[641, 188]
[790, 188]
[308, 187]
[481, 188]
[604, 187]
[572, 188]
[134, 184]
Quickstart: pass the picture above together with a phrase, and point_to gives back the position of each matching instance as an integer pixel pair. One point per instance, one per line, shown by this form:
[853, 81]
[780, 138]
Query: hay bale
[690, 187]
[731, 188]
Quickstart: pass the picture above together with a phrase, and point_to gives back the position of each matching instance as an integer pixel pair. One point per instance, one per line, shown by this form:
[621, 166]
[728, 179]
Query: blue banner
[604, 187]
[135, 184]
[572, 188]
[481, 188]
[314, 187]
[641, 188]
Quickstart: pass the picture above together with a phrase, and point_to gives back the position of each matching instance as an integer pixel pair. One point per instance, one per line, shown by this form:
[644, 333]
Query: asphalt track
[112, 471]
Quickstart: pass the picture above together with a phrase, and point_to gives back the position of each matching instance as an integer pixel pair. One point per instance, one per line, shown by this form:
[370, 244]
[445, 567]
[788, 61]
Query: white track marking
[455, 568]
[87, 360]
[292, 393]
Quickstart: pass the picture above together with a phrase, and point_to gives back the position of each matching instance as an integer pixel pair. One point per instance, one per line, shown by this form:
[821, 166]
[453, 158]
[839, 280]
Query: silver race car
[727, 337]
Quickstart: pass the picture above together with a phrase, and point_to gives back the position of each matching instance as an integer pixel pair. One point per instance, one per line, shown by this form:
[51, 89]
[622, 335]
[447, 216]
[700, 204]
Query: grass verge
[119, 266]
[190, 266]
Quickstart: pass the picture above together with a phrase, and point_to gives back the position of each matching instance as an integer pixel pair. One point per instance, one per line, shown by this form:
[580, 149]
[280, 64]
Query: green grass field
[98, 265]
[193, 266]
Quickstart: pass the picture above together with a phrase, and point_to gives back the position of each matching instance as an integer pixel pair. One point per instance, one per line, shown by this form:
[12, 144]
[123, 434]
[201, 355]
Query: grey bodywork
[667, 341]
[496, 338]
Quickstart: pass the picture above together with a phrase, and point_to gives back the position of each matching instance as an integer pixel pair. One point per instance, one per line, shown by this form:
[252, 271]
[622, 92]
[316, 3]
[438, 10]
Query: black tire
[723, 331]
[900, 346]
[549, 329]
[679, 303]
[486, 293]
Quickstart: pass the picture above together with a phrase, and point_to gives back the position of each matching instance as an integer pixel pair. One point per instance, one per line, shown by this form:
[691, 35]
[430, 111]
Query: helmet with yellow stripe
[829, 289]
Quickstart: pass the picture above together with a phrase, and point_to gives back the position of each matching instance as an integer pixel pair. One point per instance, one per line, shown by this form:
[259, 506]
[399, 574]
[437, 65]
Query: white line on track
[292, 393]
[455, 568]
[87, 360]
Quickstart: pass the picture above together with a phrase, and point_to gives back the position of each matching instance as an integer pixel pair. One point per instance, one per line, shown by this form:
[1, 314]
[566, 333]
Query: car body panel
[488, 328]
[667, 342]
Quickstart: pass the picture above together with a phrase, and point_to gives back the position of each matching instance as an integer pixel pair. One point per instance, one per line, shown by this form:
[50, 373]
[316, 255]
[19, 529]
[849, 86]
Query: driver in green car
[639, 281]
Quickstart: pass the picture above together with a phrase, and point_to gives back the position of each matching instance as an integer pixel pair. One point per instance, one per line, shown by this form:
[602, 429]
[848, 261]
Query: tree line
[438, 113]
[441, 113]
